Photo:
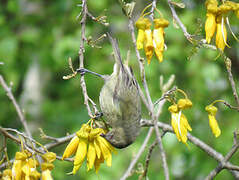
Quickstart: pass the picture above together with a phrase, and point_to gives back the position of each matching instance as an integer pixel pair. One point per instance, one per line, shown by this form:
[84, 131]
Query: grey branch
[17, 107]
[135, 160]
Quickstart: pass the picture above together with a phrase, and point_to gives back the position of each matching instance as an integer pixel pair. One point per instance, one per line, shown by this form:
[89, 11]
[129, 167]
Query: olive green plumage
[120, 103]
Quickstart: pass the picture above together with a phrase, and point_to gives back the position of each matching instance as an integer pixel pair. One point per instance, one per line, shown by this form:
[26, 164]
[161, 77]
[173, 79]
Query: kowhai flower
[158, 37]
[46, 170]
[49, 157]
[141, 26]
[179, 122]
[210, 25]
[221, 36]
[212, 110]
[47, 166]
[24, 167]
[148, 42]
[7, 174]
[184, 103]
[90, 145]
[29, 167]
[20, 160]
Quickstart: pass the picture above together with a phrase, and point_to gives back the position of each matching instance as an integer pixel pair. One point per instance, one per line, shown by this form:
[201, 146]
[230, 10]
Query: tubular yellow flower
[184, 127]
[7, 174]
[19, 161]
[141, 25]
[49, 157]
[148, 42]
[35, 175]
[97, 163]
[91, 155]
[179, 123]
[46, 171]
[29, 166]
[212, 110]
[221, 36]
[158, 37]
[46, 175]
[80, 155]
[105, 149]
[26, 171]
[97, 150]
[71, 147]
[210, 24]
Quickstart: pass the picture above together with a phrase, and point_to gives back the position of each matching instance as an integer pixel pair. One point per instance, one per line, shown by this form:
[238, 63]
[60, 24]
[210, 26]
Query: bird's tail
[116, 51]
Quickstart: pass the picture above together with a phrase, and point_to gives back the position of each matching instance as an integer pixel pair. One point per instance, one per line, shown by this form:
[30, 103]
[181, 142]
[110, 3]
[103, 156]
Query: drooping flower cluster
[212, 110]
[151, 41]
[216, 18]
[90, 145]
[25, 167]
[179, 121]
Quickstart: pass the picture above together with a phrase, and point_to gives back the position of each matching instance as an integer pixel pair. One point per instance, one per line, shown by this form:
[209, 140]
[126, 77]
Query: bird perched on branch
[120, 102]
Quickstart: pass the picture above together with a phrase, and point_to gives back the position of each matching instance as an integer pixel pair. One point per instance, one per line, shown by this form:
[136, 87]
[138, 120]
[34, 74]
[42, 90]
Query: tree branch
[17, 107]
[141, 150]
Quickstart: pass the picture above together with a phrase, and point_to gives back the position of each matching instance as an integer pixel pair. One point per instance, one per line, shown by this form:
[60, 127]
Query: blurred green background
[38, 36]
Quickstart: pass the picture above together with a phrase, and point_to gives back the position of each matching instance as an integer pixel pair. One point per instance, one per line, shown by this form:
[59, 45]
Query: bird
[119, 102]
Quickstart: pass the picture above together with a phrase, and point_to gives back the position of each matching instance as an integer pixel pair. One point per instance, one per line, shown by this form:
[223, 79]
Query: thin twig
[222, 164]
[159, 139]
[17, 107]
[203, 146]
[81, 56]
[58, 141]
[154, 3]
[136, 158]
[175, 16]
[228, 64]
[151, 148]
[97, 19]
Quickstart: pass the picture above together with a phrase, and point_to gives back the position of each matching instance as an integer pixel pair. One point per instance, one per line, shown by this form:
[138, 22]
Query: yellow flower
[221, 36]
[184, 103]
[89, 145]
[35, 175]
[141, 25]
[29, 166]
[46, 170]
[212, 110]
[20, 160]
[210, 24]
[49, 157]
[71, 147]
[7, 174]
[148, 42]
[158, 37]
[179, 123]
